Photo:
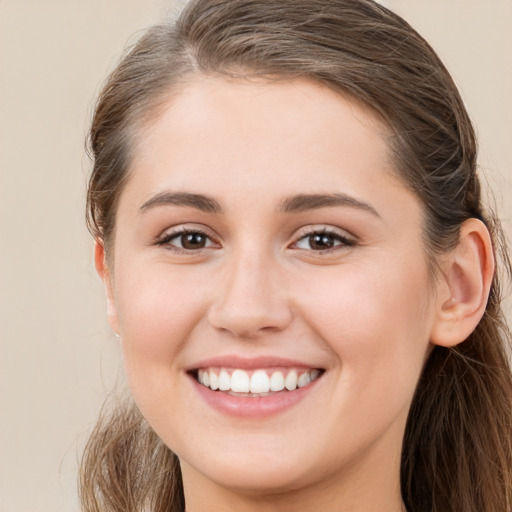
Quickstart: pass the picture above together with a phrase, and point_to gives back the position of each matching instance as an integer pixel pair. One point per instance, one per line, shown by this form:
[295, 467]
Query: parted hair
[457, 447]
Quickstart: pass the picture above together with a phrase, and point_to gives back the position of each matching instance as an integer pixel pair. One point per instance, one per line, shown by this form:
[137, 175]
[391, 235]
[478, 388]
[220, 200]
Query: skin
[363, 311]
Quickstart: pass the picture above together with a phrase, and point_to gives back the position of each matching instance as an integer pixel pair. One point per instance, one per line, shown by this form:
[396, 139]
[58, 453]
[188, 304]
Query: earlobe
[101, 267]
[466, 279]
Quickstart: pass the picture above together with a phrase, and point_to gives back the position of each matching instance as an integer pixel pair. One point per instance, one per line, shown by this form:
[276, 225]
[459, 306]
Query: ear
[102, 269]
[464, 286]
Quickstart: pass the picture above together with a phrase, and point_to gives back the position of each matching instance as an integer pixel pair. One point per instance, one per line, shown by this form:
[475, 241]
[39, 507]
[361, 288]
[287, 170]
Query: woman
[298, 263]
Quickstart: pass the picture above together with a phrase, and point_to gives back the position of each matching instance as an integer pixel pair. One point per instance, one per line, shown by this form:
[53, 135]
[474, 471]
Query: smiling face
[263, 235]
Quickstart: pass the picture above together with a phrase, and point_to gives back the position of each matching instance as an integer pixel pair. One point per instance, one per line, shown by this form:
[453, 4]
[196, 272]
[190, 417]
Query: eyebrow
[198, 201]
[304, 202]
[294, 204]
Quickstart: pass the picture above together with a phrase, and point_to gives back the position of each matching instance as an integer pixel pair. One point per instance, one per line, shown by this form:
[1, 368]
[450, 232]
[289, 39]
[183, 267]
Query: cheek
[375, 320]
[157, 309]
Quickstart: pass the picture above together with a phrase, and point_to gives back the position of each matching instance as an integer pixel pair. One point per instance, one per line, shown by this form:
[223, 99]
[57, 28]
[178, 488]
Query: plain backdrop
[58, 358]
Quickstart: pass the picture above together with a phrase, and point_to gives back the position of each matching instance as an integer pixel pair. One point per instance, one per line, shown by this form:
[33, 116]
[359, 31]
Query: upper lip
[250, 363]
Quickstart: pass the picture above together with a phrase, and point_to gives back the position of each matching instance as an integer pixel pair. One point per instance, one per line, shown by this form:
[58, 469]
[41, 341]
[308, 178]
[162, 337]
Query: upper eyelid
[331, 230]
[186, 228]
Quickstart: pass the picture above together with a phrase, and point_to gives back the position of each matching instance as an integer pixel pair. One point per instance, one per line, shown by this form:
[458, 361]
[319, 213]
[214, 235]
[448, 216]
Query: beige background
[57, 356]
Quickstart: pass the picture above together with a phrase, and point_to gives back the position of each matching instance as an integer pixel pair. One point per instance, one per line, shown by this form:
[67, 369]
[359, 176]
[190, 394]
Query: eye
[324, 240]
[187, 240]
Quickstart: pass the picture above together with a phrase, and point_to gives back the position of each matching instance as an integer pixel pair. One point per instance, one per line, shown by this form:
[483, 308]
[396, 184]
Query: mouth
[255, 383]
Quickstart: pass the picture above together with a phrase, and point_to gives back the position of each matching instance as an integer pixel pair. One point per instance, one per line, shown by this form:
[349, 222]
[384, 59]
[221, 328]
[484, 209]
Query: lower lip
[253, 407]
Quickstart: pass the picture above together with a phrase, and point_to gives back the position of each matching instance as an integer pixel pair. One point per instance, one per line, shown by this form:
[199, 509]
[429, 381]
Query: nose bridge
[251, 297]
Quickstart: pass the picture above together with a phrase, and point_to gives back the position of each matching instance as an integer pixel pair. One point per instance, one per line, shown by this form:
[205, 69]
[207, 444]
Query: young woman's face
[263, 240]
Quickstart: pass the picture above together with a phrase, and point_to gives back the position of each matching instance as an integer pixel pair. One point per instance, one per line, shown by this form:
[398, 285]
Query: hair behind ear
[457, 451]
[126, 467]
[458, 431]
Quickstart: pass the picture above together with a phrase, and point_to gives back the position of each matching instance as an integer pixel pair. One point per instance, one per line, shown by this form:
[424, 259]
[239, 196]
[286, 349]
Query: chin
[253, 478]
[261, 465]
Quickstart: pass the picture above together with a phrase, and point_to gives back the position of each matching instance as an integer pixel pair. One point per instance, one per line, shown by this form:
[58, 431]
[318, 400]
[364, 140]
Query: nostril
[249, 322]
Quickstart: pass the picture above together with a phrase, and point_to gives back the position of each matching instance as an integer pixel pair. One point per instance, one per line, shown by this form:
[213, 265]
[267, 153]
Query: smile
[258, 382]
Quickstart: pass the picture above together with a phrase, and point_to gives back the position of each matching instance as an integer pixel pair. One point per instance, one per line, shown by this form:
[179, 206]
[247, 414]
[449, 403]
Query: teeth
[304, 379]
[239, 382]
[224, 381]
[276, 381]
[214, 380]
[260, 382]
[290, 383]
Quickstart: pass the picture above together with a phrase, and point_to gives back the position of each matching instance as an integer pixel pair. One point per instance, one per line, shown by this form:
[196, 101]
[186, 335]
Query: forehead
[239, 140]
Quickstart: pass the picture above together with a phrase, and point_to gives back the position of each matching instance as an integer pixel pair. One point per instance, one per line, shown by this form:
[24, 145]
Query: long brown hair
[457, 450]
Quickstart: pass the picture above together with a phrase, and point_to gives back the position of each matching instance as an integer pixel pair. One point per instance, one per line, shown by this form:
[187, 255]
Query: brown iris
[321, 241]
[193, 241]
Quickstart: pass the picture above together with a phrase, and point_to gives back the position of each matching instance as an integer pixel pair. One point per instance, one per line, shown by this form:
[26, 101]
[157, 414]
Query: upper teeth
[260, 381]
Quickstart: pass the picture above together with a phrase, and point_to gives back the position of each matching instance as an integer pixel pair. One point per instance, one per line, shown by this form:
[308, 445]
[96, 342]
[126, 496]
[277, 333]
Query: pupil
[321, 241]
[193, 241]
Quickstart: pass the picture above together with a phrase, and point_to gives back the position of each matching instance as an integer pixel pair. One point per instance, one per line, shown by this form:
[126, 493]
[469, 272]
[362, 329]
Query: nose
[251, 299]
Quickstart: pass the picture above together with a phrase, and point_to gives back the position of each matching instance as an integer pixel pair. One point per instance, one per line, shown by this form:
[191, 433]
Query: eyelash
[343, 241]
[168, 238]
